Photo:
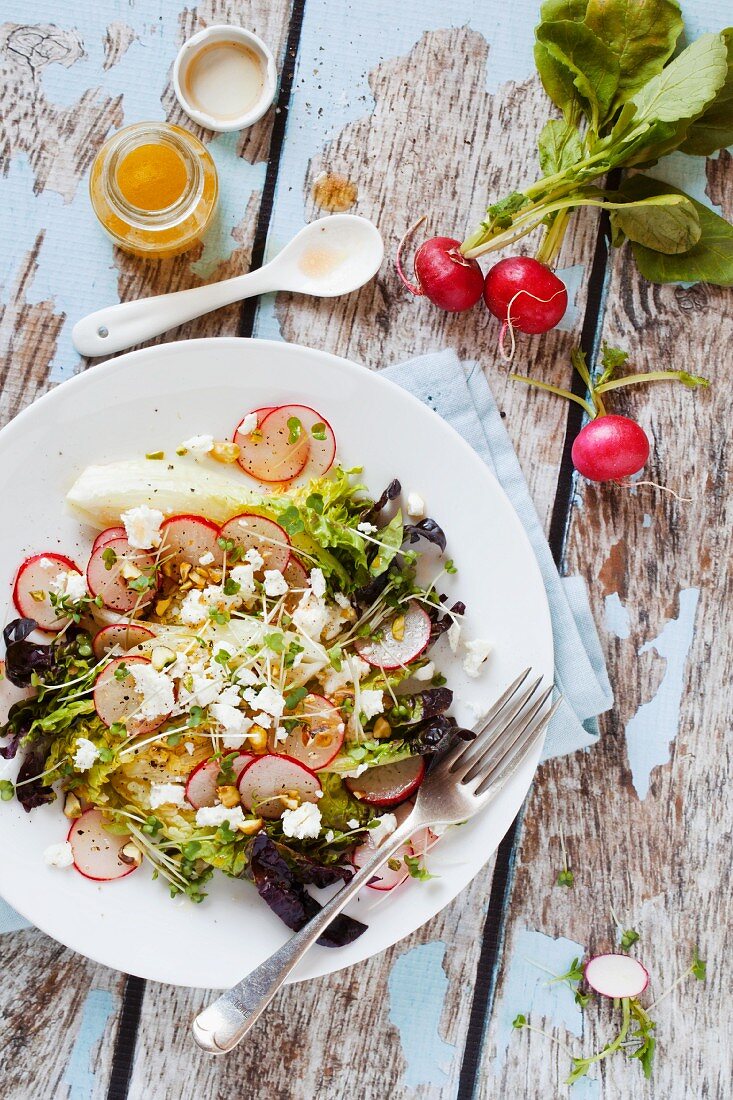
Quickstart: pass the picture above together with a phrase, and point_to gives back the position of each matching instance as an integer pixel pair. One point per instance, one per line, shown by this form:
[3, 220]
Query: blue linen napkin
[460, 393]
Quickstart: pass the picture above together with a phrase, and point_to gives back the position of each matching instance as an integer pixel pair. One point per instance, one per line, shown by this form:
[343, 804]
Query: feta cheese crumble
[253, 557]
[166, 794]
[142, 527]
[275, 583]
[425, 673]
[454, 636]
[318, 583]
[304, 823]
[86, 754]
[156, 689]
[69, 585]
[217, 815]
[199, 444]
[476, 653]
[194, 609]
[207, 558]
[353, 823]
[366, 528]
[234, 723]
[386, 825]
[59, 855]
[415, 505]
[249, 424]
[268, 699]
[371, 703]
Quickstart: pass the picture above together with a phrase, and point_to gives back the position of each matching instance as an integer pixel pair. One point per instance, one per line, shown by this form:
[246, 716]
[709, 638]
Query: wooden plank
[642, 814]
[58, 1020]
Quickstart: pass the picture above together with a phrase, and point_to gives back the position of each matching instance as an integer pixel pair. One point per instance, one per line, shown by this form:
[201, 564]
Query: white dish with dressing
[225, 78]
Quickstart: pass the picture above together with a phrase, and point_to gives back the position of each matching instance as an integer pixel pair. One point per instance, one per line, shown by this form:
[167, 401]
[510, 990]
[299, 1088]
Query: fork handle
[225, 1022]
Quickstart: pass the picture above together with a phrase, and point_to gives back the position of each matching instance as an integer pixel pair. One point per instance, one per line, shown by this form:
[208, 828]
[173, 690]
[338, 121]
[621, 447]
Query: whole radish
[525, 294]
[444, 276]
[610, 447]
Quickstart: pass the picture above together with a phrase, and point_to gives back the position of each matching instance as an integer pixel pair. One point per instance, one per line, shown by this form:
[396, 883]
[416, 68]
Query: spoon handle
[118, 327]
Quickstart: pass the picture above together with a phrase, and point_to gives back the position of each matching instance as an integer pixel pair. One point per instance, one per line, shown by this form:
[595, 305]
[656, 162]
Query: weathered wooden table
[422, 106]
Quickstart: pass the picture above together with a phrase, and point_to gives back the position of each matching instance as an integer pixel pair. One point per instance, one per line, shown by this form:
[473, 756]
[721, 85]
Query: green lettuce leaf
[337, 804]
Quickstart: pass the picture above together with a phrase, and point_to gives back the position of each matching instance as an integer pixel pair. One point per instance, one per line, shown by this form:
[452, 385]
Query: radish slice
[124, 635]
[97, 852]
[240, 762]
[31, 592]
[386, 878]
[250, 531]
[118, 700]
[386, 651]
[202, 783]
[318, 739]
[388, 784]
[190, 538]
[11, 694]
[245, 441]
[424, 839]
[269, 455]
[616, 976]
[266, 778]
[110, 584]
[320, 453]
[109, 535]
[297, 578]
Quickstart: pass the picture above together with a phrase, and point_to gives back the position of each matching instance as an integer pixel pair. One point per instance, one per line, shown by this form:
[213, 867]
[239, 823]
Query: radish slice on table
[32, 589]
[268, 777]
[400, 641]
[97, 853]
[124, 635]
[202, 783]
[319, 737]
[252, 532]
[105, 575]
[386, 877]
[189, 538]
[269, 454]
[388, 784]
[315, 438]
[118, 700]
[616, 976]
[109, 535]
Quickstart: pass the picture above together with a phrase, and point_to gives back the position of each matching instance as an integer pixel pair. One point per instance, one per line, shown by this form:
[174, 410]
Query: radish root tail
[655, 485]
[507, 326]
[414, 288]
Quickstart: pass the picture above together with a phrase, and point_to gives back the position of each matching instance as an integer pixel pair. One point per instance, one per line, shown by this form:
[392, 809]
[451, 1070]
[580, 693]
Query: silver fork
[462, 783]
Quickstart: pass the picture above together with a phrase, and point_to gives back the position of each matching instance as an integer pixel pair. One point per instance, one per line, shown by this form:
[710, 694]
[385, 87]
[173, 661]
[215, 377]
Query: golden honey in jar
[154, 189]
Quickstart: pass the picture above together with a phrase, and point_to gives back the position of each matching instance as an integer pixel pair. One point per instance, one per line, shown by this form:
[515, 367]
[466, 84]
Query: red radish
[616, 976]
[388, 784]
[124, 635]
[96, 852]
[240, 762]
[386, 877]
[444, 276]
[295, 573]
[401, 640]
[424, 839]
[189, 538]
[117, 700]
[299, 423]
[105, 575]
[319, 737]
[271, 457]
[252, 532]
[108, 535]
[202, 783]
[10, 694]
[31, 592]
[610, 447]
[268, 777]
[525, 294]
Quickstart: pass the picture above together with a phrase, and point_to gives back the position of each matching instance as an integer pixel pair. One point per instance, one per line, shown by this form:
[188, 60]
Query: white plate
[153, 399]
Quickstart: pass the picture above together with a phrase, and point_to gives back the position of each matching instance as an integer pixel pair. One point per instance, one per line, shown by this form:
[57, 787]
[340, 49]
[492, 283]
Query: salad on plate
[241, 678]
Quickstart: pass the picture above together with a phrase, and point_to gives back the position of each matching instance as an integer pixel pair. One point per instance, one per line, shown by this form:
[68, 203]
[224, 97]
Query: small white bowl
[208, 37]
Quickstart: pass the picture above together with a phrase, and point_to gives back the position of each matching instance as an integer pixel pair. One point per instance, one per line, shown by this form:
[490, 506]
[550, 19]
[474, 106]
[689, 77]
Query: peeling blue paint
[417, 989]
[653, 728]
[616, 616]
[647, 521]
[573, 277]
[530, 990]
[79, 1075]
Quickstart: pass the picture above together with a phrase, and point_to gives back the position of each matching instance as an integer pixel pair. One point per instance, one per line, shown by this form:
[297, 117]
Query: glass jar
[154, 188]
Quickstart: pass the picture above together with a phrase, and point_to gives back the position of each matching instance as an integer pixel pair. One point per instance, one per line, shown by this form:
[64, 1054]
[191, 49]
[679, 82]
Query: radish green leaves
[626, 102]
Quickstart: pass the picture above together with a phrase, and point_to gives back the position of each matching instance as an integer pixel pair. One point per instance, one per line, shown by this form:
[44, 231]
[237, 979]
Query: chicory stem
[559, 391]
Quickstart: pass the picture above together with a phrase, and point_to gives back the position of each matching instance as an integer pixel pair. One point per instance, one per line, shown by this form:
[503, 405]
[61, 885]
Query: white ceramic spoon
[331, 256]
